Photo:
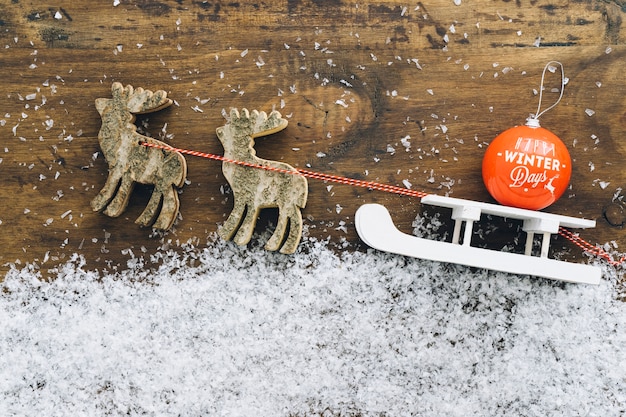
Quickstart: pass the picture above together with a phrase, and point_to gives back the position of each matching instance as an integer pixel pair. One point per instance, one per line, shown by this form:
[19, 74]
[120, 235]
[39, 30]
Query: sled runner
[375, 227]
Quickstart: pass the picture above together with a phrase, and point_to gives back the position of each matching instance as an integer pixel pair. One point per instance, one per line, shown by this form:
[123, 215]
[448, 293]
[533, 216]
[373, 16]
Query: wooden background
[353, 78]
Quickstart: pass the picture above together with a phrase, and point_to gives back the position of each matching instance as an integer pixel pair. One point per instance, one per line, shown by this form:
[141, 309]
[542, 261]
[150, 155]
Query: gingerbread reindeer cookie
[131, 162]
[256, 189]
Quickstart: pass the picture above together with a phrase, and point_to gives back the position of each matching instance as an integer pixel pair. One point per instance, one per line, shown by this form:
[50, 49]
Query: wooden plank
[357, 82]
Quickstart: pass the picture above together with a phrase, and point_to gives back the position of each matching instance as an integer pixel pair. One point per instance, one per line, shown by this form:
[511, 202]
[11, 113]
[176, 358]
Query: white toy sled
[375, 227]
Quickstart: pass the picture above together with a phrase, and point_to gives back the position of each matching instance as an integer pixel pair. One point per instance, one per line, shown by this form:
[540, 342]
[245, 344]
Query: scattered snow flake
[416, 62]
[406, 142]
[407, 183]
[320, 154]
[342, 103]
[116, 3]
[457, 2]
[338, 208]
[608, 50]
[537, 41]
[590, 112]
[58, 15]
[244, 53]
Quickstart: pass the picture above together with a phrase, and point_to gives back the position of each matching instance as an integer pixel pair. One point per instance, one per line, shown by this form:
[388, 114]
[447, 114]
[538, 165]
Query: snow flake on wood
[130, 162]
[256, 189]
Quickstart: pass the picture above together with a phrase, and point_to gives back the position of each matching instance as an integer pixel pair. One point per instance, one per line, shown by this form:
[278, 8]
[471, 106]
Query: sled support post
[466, 214]
[530, 237]
[376, 228]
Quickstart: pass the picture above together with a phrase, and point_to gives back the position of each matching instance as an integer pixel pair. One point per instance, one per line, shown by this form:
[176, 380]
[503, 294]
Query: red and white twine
[574, 238]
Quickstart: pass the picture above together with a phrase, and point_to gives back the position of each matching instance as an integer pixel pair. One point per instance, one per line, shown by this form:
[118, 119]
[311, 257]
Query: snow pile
[222, 331]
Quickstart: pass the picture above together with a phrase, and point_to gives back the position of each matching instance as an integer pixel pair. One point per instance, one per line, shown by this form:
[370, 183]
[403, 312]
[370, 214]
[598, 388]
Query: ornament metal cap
[532, 121]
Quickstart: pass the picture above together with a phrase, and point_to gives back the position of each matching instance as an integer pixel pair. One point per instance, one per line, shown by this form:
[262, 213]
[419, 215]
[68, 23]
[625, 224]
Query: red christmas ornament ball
[527, 167]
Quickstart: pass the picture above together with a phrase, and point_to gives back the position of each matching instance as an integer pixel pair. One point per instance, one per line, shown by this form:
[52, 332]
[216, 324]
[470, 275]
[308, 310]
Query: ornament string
[574, 238]
[549, 66]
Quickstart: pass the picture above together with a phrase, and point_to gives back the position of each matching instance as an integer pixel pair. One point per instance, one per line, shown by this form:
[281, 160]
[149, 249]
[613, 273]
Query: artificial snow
[220, 330]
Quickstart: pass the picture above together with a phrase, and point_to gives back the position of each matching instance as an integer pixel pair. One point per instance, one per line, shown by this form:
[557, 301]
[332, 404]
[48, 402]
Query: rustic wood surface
[353, 79]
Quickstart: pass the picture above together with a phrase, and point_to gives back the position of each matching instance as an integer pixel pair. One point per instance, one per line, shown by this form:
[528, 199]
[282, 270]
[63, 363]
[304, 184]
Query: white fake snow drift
[226, 331]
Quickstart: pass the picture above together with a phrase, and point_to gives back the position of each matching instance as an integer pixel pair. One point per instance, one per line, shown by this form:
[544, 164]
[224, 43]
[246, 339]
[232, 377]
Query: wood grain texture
[382, 91]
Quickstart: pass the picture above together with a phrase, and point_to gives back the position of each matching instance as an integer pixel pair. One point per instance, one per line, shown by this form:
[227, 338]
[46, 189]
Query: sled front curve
[376, 228]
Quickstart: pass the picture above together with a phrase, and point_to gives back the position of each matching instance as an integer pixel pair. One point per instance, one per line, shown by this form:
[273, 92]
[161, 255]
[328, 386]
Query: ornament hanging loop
[533, 120]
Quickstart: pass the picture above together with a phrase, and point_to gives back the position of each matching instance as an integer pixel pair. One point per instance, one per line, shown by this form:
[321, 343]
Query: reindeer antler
[139, 100]
[256, 122]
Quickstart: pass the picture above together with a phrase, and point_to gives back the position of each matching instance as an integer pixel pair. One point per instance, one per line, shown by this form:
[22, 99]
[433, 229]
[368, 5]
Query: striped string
[574, 238]
[589, 248]
[305, 173]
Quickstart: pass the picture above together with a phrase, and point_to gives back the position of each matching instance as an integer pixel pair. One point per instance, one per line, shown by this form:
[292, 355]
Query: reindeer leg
[146, 218]
[295, 231]
[120, 201]
[231, 224]
[107, 192]
[279, 233]
[244, 234]
[169, 210]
